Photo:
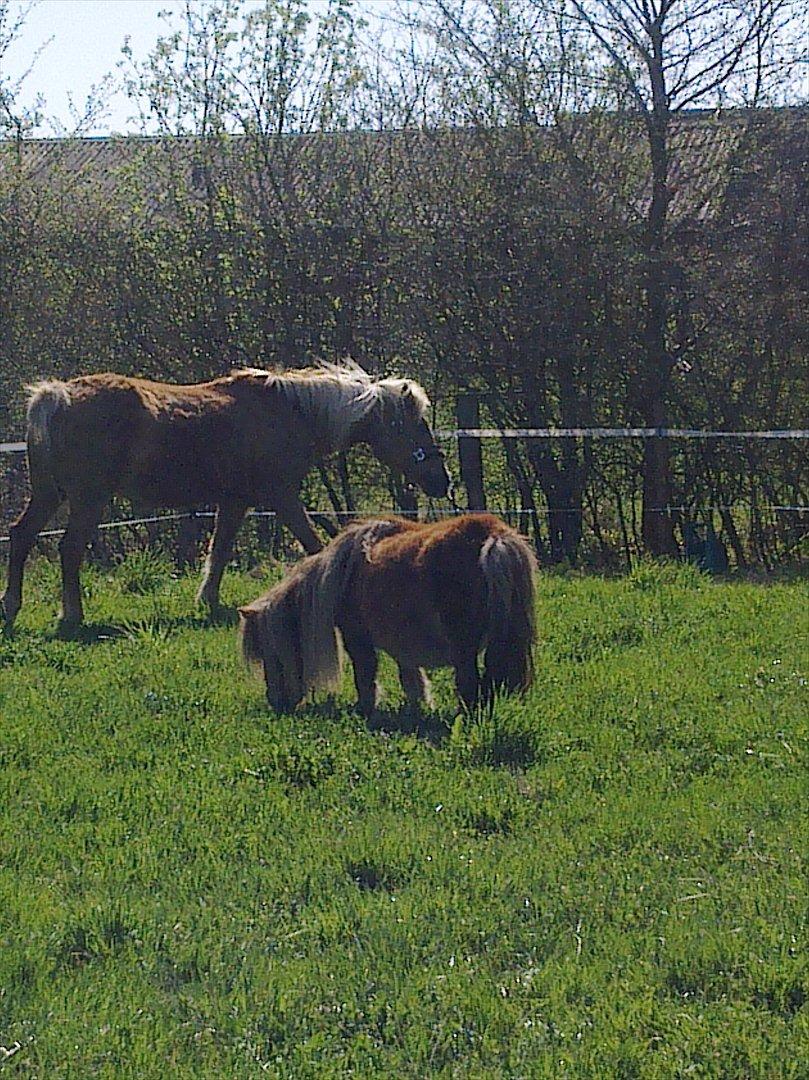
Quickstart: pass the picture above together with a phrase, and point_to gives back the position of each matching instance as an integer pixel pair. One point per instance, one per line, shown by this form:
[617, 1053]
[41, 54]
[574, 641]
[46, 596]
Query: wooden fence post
[467, 413]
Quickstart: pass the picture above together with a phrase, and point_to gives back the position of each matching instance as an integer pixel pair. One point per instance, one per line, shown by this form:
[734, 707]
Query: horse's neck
[330, 433]
[361, 431]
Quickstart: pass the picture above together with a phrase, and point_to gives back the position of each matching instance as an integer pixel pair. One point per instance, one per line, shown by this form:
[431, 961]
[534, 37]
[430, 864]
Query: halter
[420, 454]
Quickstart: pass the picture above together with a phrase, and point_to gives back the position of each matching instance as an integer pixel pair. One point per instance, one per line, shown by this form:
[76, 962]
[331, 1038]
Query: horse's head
[269, 638]
[282, 682]
[399, 435]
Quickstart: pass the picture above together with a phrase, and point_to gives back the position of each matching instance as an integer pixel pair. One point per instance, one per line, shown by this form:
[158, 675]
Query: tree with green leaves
[546, 64]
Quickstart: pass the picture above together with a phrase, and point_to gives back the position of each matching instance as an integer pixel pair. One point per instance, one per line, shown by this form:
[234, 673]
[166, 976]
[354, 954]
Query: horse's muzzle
[435, 483]
[436, 488]
[430, 473]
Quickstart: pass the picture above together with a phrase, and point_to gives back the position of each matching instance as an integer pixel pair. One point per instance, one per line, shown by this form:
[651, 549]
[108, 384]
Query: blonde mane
[336, 397]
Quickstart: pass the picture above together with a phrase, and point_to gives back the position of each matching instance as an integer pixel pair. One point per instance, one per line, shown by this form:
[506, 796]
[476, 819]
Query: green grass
[604, 881]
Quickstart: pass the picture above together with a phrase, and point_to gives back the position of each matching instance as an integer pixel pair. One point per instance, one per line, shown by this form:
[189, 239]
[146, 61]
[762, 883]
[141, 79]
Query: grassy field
[604, 881]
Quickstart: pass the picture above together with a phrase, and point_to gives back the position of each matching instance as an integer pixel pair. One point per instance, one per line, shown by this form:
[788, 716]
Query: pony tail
[508, 566]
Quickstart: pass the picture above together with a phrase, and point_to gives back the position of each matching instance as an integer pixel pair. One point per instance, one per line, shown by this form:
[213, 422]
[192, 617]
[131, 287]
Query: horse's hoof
[69, 626]
[222, 614]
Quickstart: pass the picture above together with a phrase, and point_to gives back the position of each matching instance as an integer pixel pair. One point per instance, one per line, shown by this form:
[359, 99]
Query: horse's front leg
[292, 514]
[366, 663]
[229, 517]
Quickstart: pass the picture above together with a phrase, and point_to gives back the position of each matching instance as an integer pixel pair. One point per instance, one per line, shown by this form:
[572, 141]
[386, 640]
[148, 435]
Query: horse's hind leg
[366, 663]
[416, 686]
[23, 535]
[467, 678]
[72, 547]
[229, 517]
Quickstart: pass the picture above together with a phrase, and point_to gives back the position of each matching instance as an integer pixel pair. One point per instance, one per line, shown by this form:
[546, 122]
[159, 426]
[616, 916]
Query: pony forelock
[336, 397]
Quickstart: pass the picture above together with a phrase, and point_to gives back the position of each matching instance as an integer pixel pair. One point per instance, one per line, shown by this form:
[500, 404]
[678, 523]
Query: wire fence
[795, 511]
[572, 433]
[618, 433]
[431, 513]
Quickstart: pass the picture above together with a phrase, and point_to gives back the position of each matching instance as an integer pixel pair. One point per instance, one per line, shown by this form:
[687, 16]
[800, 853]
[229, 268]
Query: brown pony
[248, 438]
[430, 595]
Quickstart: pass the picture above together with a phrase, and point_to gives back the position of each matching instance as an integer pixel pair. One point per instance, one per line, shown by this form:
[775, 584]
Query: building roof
[715, 157]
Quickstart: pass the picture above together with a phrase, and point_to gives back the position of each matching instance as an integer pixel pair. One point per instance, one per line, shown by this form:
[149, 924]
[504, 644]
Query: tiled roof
[710, 161]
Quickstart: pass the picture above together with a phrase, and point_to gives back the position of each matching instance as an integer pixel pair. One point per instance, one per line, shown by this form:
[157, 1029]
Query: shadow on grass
[88, 633]
[404, 721]
[400, 721]
[94, 633]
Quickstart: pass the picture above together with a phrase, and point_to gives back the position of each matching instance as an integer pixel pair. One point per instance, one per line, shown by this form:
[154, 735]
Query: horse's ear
[408, 398]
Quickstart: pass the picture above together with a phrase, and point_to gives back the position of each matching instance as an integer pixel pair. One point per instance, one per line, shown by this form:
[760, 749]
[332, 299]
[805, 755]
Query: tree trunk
[561, 485]
[658, 534]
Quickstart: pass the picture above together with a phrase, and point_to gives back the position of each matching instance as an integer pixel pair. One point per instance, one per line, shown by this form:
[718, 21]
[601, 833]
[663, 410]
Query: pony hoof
[70, 625]
[374, 721]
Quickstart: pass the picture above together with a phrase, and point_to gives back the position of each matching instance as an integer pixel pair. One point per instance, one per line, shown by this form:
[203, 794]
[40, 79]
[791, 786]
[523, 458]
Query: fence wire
[533, 514]
[432, 513]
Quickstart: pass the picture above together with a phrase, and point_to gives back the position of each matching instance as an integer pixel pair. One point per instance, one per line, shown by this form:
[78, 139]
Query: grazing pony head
[291, 630]
[298, 653]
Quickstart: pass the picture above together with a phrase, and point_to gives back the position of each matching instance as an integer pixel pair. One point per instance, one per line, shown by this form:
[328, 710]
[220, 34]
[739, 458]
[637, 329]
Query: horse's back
[422, 592]
[167, 444]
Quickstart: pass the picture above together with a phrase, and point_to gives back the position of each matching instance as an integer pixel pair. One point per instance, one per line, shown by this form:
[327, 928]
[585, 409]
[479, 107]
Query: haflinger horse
[245, 439]
[429, 594]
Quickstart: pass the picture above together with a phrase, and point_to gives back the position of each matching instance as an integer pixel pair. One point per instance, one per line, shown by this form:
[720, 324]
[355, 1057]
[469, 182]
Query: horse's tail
[46, 403]
[508, 566]
[296, 621]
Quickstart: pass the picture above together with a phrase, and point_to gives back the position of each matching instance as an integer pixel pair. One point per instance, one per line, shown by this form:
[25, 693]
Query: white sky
[81, 42]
